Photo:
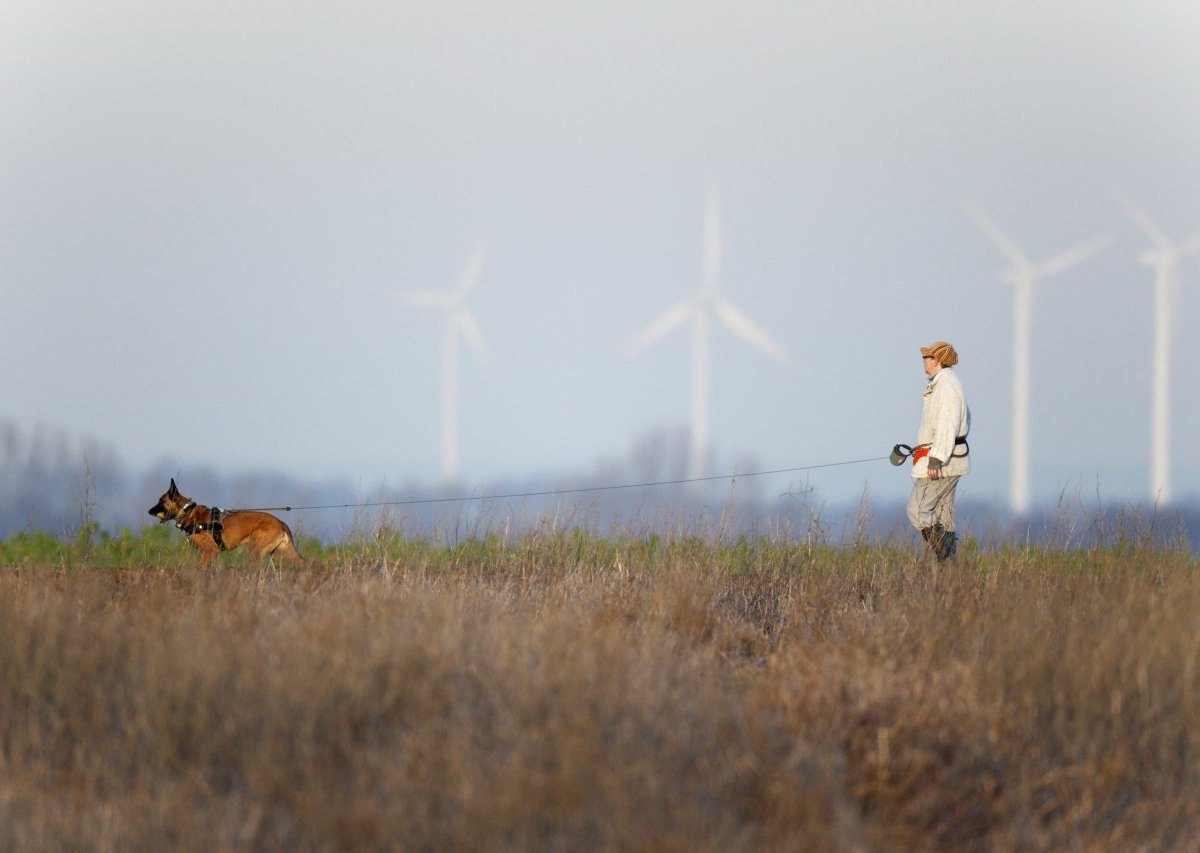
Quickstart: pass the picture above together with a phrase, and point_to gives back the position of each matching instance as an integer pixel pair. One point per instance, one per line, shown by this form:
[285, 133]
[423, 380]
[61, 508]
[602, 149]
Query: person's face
[932, 365]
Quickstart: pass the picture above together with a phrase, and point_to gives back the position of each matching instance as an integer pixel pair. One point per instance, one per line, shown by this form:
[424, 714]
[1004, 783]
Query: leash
[550, 492]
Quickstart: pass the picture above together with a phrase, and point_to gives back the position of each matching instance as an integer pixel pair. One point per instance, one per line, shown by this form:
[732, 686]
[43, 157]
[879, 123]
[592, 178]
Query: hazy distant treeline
[54, 482]
[47, 480]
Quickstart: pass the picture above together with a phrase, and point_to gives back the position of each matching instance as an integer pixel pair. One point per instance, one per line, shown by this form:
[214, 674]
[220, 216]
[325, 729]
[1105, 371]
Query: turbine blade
[424, 299]
[472, 270]
[992, 231]
[665, 322]
[744, 328]
[1071, 257]
[712, 239]
[1149, 228]
[465, 321]
[1189, 246]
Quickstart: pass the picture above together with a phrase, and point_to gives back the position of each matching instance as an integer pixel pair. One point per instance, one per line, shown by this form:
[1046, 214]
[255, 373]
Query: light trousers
[932, 502]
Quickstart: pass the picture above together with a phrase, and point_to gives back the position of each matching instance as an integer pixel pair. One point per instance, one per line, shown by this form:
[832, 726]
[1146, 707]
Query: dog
[213, 530]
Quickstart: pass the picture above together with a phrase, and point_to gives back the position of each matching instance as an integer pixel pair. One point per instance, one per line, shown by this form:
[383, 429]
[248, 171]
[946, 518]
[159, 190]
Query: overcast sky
[207, 212]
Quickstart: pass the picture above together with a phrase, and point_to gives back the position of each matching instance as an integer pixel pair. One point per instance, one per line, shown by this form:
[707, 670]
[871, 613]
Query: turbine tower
[1163, 257]
[703, 305]
[460, 323]
[1024, 275]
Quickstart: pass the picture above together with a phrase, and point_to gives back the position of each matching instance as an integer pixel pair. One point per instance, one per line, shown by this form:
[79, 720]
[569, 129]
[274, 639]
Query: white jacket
[944, 417]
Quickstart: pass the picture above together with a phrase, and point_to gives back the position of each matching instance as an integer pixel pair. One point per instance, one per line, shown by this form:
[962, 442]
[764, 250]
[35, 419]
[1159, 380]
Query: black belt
[902, 451]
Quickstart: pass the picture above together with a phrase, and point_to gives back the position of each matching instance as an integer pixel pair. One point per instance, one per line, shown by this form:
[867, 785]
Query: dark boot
[947, 546]
[942, 542]
[931, 537]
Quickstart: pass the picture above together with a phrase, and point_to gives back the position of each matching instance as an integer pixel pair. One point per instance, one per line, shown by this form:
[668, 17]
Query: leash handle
[899, 453]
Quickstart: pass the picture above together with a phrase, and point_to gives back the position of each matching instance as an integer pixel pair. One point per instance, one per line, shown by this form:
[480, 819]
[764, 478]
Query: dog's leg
[258, 550]
[207, 547]
[284, 549]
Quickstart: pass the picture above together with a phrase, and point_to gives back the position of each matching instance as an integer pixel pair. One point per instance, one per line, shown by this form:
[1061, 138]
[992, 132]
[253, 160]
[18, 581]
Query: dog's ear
[174, 490]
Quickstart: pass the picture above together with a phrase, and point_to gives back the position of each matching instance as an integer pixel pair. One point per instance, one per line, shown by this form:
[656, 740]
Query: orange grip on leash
[919, 453]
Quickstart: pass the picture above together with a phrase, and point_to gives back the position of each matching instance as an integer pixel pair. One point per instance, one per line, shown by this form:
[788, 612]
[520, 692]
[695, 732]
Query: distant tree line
[52, 482]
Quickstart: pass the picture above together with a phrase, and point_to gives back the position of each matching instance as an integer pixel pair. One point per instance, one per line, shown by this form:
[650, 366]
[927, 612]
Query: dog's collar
[183, 512]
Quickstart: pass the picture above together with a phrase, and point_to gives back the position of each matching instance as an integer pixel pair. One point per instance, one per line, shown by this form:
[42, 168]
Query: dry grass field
[575, 692]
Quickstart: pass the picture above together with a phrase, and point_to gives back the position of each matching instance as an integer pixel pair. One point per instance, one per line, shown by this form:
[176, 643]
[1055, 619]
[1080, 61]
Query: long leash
[551, 492]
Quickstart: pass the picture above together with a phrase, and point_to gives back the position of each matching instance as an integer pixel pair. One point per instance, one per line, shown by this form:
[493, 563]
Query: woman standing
[940, 457]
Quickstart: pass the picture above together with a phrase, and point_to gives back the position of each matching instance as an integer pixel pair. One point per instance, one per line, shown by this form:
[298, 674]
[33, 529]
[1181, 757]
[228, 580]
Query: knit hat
[943, 352]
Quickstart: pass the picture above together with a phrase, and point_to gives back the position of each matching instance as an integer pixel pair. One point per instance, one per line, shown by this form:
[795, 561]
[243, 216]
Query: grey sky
[207, 211]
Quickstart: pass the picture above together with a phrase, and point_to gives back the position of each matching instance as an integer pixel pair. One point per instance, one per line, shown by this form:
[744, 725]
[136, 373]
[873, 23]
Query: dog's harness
[212, 526]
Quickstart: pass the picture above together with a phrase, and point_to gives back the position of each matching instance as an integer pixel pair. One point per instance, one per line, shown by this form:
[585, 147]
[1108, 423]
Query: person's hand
[934, 473]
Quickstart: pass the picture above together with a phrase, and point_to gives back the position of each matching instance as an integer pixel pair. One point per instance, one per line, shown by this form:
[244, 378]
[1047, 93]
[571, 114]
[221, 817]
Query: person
[941, 456]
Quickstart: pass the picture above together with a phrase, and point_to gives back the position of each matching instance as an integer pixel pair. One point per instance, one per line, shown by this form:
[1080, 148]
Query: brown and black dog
[213, 530]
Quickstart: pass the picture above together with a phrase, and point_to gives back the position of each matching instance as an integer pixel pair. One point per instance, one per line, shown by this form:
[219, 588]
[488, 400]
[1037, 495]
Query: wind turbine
[460, 323]
[703, 305]
[1163, 257]
[1024, 275]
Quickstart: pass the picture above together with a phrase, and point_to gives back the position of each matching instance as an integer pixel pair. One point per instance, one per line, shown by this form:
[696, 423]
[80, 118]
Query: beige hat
[943, 352]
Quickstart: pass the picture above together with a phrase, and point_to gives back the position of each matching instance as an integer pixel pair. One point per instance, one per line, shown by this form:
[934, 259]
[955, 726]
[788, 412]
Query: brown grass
[576, 693]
